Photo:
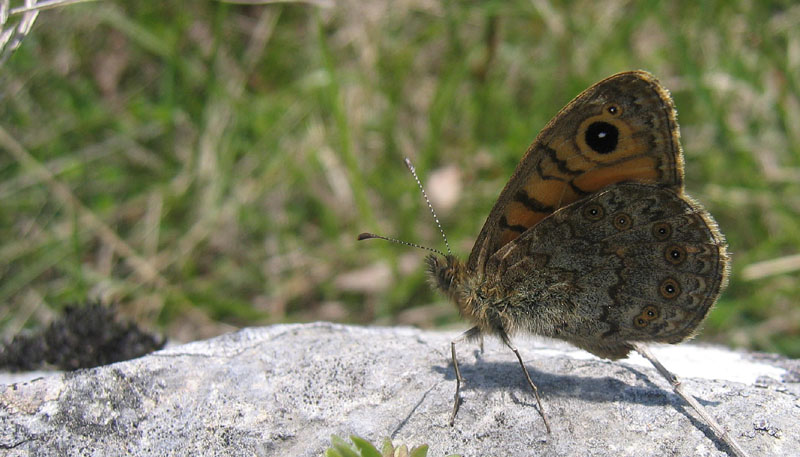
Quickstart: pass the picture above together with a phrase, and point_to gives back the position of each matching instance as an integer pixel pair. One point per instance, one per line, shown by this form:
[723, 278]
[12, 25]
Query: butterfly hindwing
[634, 262]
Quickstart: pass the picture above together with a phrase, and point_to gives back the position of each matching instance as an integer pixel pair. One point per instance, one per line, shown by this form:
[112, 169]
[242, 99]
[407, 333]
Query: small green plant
[363, 448]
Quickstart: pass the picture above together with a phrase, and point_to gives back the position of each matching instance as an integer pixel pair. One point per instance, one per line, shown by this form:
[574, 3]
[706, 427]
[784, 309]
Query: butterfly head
[446, 273]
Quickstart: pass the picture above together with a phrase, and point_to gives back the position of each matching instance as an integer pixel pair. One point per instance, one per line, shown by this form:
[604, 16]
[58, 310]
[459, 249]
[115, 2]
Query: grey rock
[283, 390]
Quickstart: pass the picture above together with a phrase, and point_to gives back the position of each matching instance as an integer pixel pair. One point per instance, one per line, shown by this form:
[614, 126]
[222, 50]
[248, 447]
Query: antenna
[368, 236]
[425, 195]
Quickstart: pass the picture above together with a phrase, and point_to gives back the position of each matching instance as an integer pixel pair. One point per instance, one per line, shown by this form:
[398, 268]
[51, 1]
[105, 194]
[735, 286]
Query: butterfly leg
[507, 342]
[457, 400]
[678, 388]
[468, 335]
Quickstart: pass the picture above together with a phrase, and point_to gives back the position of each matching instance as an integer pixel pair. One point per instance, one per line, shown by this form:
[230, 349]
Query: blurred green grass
[209, 165]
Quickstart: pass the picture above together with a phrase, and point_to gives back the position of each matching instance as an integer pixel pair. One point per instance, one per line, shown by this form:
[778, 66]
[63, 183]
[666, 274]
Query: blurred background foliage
[208, 165]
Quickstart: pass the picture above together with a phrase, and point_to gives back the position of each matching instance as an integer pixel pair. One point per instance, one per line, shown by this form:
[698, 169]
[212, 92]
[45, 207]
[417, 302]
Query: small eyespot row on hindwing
[594, 212]
[675, 254]
[662, 231]
[649, 313]
[622, 221]
[669, 288]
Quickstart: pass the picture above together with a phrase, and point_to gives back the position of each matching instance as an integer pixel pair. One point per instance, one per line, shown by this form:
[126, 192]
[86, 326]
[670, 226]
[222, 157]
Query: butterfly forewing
[623, 128]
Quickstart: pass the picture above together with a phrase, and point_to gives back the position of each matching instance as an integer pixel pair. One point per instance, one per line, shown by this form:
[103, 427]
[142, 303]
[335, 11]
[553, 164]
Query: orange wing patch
[641, 169]
[604, 150]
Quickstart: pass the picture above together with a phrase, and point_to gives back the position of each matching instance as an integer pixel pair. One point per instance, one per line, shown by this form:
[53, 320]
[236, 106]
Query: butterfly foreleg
[469, 335]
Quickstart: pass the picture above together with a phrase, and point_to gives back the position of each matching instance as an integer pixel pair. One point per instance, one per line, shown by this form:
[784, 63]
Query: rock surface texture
[283, 390]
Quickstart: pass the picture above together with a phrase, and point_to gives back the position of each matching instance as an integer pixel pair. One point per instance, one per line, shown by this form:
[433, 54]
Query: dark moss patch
[84, 337]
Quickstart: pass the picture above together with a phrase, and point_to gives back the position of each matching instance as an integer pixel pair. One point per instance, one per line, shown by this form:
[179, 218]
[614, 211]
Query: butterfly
[593, 239]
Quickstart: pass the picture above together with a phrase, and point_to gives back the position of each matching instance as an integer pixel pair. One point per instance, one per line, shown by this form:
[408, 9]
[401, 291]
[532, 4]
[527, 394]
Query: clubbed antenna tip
[369, 236]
